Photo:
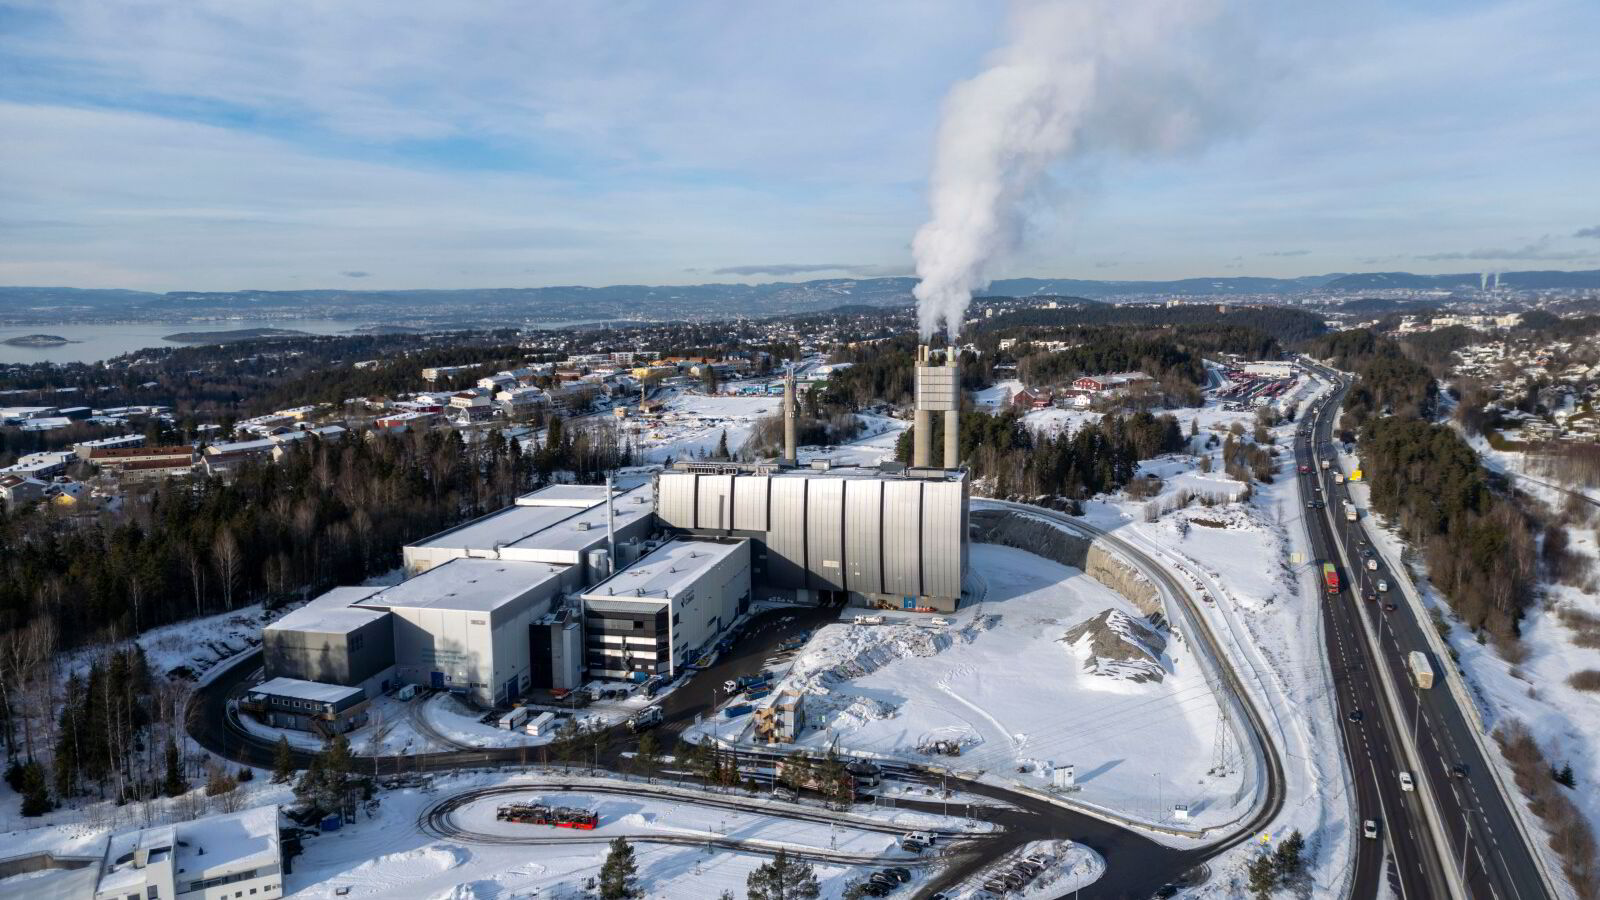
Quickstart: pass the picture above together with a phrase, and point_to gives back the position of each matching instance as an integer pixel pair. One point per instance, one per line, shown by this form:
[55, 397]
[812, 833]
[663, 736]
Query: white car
[1383, 586]
[1369, 829]
[1406, 784]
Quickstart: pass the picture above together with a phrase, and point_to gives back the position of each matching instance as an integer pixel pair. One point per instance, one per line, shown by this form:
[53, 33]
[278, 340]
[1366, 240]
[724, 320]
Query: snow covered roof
[528, 526]
[315, 691]
[331, 613]
[203, 848]
[467, 584]
[665, 572]
[581, 496]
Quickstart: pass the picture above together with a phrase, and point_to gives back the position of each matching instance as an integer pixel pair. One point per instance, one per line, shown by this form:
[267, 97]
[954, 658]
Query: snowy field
[1002, 681]
[1251, 559]
[390, 857]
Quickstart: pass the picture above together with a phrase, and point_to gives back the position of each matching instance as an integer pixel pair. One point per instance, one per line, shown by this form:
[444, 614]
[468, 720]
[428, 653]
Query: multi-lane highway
[1482, 850]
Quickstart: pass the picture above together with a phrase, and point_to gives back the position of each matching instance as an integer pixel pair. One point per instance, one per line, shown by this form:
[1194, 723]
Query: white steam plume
[1077, 77]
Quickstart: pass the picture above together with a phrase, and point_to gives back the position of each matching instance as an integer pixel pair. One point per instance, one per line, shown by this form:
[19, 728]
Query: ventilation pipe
[952, 416]
[611, 526]
[922, 423]
[790, 457]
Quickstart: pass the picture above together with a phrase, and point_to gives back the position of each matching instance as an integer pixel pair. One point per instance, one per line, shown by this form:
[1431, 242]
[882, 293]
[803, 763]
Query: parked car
[900, 873]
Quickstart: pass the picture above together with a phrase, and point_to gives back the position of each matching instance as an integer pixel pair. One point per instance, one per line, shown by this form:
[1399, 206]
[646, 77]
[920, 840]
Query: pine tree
[619, 876]
[783, 879]
[648, 757]
[1262, 877]
[1566, 776]
[722, 446]
[282, 761]
[174, 783]
[35, 789]
[1288, 861]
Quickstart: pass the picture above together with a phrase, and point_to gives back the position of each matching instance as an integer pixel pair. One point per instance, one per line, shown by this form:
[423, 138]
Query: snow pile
[841, 653]
[1115, 645]
[420, 863]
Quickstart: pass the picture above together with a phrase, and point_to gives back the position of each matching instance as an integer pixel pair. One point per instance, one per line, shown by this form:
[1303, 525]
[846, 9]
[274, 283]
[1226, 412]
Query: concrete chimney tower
[922, 423]
[938, 390]
[790, 456]
[952, 416]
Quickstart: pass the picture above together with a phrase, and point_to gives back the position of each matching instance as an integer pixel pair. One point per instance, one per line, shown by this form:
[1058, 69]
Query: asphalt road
[1486, 846]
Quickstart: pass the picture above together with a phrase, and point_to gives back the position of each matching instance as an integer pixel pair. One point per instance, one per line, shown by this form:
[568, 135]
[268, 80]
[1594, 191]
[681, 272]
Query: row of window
[221, 880]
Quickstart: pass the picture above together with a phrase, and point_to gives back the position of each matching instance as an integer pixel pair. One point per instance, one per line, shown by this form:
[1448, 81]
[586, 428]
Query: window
[153, 892]
[638, 624]
[356, 642]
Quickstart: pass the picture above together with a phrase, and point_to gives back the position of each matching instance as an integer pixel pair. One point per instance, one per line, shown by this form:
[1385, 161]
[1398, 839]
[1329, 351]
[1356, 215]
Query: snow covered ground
[390, 857]
[1251, 559]
[1002, 682]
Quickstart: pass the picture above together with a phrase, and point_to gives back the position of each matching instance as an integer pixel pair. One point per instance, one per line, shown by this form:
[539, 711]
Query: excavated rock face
[1011, 529]
[1114, 644]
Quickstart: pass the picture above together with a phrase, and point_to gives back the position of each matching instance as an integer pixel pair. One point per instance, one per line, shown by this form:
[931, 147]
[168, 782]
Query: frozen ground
[1536, 691]
[390, 857]
[1001, 681]
[1250, 558]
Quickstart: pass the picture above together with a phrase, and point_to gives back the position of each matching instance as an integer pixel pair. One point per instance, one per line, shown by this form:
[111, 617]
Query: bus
[1330, 578]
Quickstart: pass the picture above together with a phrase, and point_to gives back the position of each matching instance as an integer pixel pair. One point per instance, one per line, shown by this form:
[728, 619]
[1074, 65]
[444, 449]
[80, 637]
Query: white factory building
[671, 605]
[236, 855]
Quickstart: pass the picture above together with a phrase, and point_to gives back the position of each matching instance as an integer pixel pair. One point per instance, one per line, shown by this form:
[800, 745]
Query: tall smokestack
[922, 424]
[790, 457]
[952, 416]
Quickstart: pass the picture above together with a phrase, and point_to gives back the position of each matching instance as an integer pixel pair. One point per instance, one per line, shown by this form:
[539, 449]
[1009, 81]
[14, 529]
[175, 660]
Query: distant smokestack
[790, 457]
[922, 424]
[952, 416]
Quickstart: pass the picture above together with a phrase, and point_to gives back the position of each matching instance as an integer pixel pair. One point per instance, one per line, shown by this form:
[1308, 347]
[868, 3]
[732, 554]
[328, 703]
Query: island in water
[238, 334]
[39, 340]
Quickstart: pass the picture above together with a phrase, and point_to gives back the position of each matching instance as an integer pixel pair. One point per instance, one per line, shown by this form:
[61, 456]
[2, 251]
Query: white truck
[1421, 671]
[1350, 514]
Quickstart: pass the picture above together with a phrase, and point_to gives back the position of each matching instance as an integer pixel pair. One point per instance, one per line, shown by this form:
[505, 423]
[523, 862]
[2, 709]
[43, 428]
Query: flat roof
[907, 473]
[466, 584]
[331, 613]
[664, 572]
[581, 496]
[305, 690]
[529, 527]
[589, 526]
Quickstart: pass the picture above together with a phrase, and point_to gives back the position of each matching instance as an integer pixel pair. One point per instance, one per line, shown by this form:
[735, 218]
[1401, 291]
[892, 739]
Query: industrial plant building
[667, 608]
[573, 582]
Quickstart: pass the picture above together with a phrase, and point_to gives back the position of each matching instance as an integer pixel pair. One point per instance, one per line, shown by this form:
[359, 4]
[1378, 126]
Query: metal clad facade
[714, 502]
[750, 503]
[863, 535]
[786, 541]
[675, 499]
[825, 548]
[902, 538]
[942, 528]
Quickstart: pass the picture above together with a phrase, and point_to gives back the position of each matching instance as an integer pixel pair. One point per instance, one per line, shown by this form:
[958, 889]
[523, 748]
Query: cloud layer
[220, 144]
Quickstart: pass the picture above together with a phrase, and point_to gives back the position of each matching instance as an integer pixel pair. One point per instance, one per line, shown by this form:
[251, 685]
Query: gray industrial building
[332, 642]
[659, 614]
[463, 625]
[877, 536]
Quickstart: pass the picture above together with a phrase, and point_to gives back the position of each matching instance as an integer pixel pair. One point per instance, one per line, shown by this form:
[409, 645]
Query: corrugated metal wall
[902, 537]
[942, 527]
[825, 550]
[786, 542]
[675, 499]
[863, 535]
[750, 503]
[714, 502]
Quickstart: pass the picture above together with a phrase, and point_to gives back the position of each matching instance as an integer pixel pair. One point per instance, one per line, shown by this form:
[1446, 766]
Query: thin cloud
[356, 274]
[1592, 231]
[1287, 253]
[798, 269]
[1536, 251]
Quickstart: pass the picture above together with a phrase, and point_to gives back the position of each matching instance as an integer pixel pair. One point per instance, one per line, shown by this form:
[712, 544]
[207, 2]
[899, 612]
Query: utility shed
[878, 537]
[666, 609]
[463, 625]
[325, 709]
[330, 641]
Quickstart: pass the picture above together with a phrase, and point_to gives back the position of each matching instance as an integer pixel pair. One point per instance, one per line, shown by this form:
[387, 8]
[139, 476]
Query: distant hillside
[1538, 280]
[516, 306]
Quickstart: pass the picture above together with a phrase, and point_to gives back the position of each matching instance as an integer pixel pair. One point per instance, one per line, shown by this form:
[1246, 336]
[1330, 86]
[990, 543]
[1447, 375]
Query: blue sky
[230, 144]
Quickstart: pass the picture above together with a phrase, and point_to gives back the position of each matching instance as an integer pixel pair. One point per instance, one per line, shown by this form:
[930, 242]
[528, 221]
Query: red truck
[1330, 578]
